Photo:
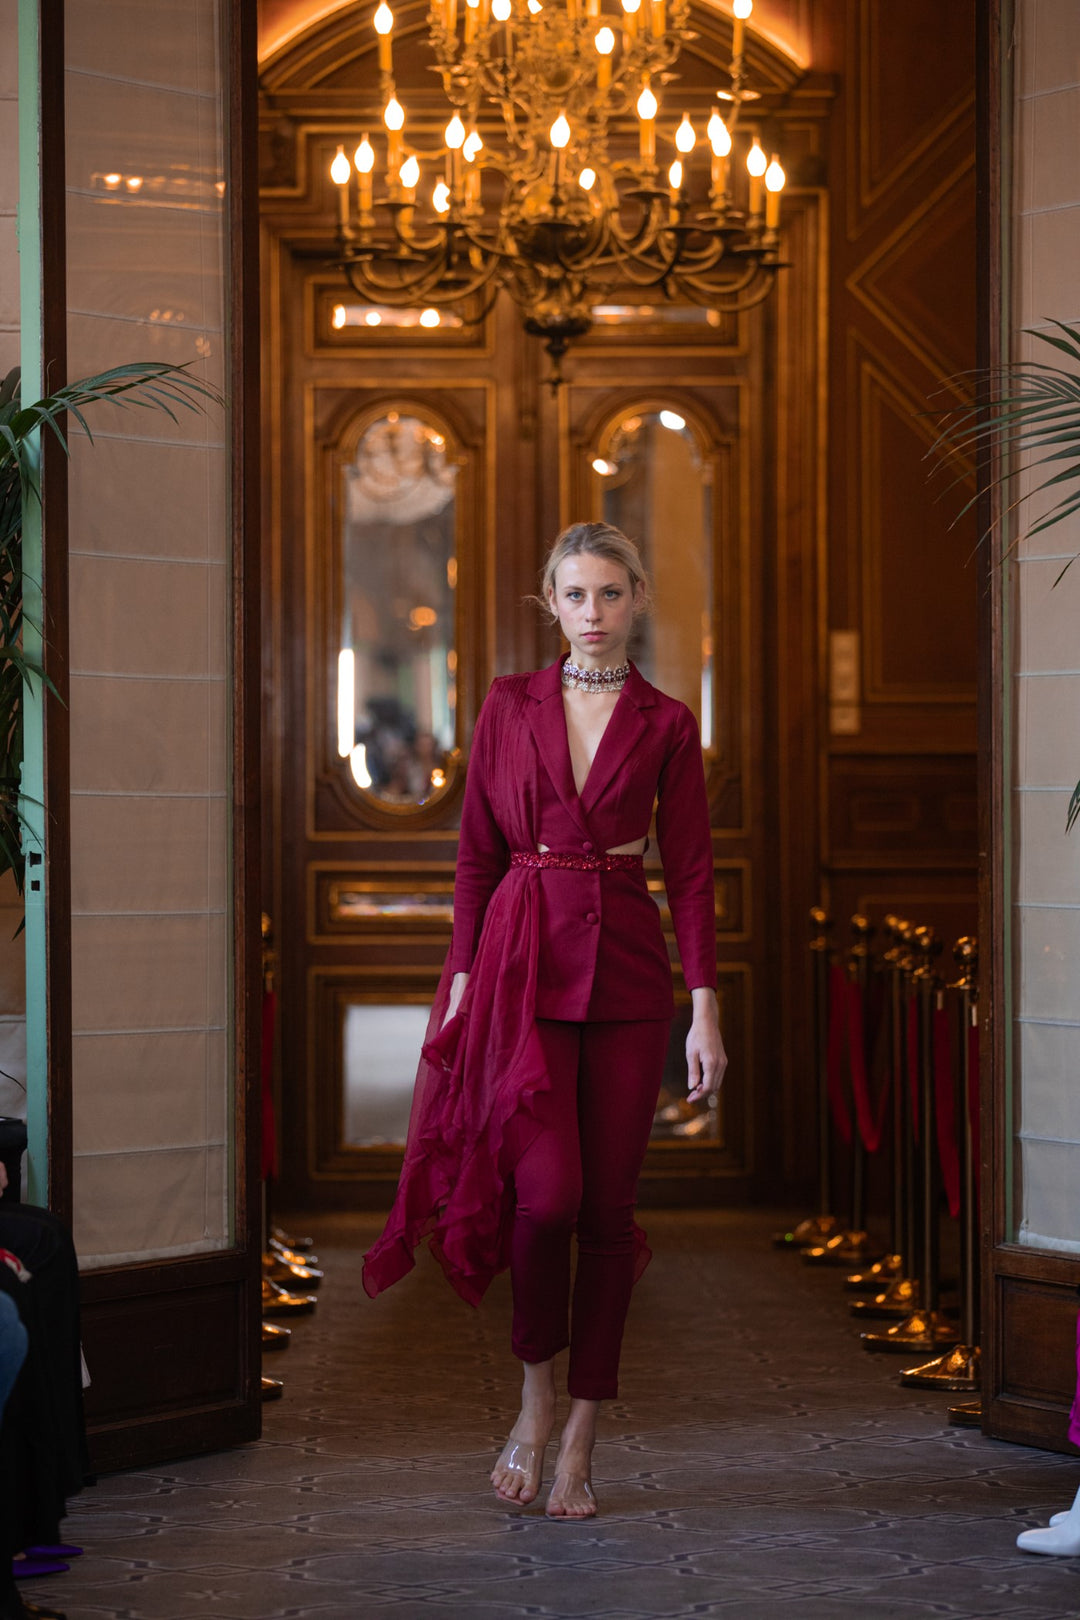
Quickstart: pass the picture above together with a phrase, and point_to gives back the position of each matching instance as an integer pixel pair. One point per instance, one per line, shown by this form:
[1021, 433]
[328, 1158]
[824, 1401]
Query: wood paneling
[899, 781]
[753, 388]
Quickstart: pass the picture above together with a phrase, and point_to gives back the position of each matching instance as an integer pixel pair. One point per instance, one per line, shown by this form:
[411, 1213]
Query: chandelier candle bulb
[340, 173]
[364, 159]
[774, 185]
[605, 44]
[742, 10]
[384, 22]
[685, 139]
[756, 165]
[646, 111]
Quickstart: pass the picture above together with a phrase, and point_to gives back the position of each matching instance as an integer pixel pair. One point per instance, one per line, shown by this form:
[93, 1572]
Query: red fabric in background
[913, 1061]
[973, 1101]
[945, 1109]
[269, 1129]
[838, 1024]
[871, 1122]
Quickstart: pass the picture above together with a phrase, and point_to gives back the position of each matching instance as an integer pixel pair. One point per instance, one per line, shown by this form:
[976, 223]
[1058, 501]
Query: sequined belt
[577, 863]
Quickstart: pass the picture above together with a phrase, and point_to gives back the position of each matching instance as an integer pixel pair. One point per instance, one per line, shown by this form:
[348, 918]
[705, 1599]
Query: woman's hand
[457, 990]
[706, 1059]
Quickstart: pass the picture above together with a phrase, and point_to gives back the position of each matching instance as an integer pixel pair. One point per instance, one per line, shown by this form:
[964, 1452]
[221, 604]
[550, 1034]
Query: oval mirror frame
[393, 735]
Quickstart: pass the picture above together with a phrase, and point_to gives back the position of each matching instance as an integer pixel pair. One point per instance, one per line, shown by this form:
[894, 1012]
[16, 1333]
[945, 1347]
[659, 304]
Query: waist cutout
[577, 863]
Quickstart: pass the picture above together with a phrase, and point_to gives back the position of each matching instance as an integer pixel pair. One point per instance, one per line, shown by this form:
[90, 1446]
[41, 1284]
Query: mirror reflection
[656, 485]
[396, 676]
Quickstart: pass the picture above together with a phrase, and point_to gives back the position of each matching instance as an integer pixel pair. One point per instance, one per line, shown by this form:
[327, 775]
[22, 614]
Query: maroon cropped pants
[579, 1173]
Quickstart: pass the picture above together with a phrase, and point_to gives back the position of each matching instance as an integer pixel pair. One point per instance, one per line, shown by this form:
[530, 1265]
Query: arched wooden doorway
[361, 869]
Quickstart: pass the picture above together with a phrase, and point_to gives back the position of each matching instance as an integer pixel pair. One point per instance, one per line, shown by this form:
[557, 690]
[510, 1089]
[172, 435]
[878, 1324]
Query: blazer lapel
[548, 724]
[621, 735]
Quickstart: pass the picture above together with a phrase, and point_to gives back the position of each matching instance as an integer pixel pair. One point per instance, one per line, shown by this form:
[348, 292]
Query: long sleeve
[483, 855]
[685, 839]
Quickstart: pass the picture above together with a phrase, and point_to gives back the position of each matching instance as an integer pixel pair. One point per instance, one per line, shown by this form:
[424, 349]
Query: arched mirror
[654, 478]
[397, 658]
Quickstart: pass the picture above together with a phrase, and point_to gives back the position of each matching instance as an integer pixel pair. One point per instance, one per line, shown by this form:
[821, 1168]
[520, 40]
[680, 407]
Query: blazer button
[587, 847]
[591, 917]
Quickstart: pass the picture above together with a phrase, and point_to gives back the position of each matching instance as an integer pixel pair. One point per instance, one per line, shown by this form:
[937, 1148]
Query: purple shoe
[30, 1569]
[53, 1552]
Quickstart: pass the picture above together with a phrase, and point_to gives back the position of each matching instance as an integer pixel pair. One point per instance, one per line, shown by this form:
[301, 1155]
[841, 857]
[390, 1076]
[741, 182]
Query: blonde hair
[596, 540]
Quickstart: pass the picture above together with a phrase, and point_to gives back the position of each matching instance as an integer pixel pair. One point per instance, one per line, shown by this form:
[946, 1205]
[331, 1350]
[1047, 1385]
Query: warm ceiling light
[339, 169]
[674, 175]
[394, 116]
[774, 177]
[500, 10]
[587, 179]
[685, 139]
[373, 318]
[384, 19]
[430, 317]
[337, 319]
[605, 41]
[672, 420]
[719, 137]
[473, 146]
[440, 197]
[743, 8]
[756, 161]
[560, 132]
[455, 134]
[604, 468]
[631, 6]
[646, 104]
[364, 156]
[410, 171]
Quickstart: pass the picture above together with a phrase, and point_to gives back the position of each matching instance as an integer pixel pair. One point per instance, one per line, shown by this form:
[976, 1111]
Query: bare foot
[571, 1496]
[519, 1472]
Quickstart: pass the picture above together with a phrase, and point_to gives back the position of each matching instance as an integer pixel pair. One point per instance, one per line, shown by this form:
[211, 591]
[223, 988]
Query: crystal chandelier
[547, 181]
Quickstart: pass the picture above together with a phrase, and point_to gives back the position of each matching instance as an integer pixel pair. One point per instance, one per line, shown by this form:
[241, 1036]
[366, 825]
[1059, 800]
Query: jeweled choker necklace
[594, 680]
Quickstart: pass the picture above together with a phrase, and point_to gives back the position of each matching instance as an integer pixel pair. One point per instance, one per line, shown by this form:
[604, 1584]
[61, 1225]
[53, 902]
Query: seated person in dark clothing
[42, 1437]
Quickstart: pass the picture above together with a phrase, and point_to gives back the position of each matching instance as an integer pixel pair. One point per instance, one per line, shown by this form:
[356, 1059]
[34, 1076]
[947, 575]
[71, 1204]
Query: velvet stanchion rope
[838, 982]
[973, 1100]
[913, 1062]
[269, 1130]
[871, 1126]
[945, 1109]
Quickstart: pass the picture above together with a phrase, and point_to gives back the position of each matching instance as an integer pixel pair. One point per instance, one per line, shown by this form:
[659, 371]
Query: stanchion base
[290, 1276]
[272, 1388]
[966, 1415]
[811, 1232]
[845, 1249]
[875, 1277]
[957, 1370]
[898, 1301]
[275, 1337]
[289, 1241]
[922, 1330]
[278, 1301]
[291, 1257]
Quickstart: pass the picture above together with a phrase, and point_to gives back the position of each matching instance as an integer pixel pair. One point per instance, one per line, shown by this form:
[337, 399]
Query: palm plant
[1030, 409]
[149, 384]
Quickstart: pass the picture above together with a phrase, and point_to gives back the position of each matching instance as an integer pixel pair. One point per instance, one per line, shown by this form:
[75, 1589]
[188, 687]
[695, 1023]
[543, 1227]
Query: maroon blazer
[601, 952]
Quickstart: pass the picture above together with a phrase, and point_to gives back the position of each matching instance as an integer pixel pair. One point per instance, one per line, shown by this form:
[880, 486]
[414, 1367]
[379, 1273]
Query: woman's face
[595, 603]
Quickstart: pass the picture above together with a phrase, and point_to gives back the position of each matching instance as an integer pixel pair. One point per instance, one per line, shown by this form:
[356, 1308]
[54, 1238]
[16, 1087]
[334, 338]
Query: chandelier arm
[400, 292]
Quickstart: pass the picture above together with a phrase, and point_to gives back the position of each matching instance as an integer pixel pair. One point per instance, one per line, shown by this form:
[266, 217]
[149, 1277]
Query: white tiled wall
[1047, 652]
[149, 640]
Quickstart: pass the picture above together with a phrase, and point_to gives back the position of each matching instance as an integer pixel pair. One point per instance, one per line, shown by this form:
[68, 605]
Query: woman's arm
[684, 835]
[706, 1059]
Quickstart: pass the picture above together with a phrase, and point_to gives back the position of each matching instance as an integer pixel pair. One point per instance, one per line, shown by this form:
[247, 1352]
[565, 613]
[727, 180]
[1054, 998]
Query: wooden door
[151, 735]
[359, 875]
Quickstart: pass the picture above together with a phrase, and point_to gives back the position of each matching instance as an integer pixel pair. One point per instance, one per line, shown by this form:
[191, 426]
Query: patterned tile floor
[757, 1461]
